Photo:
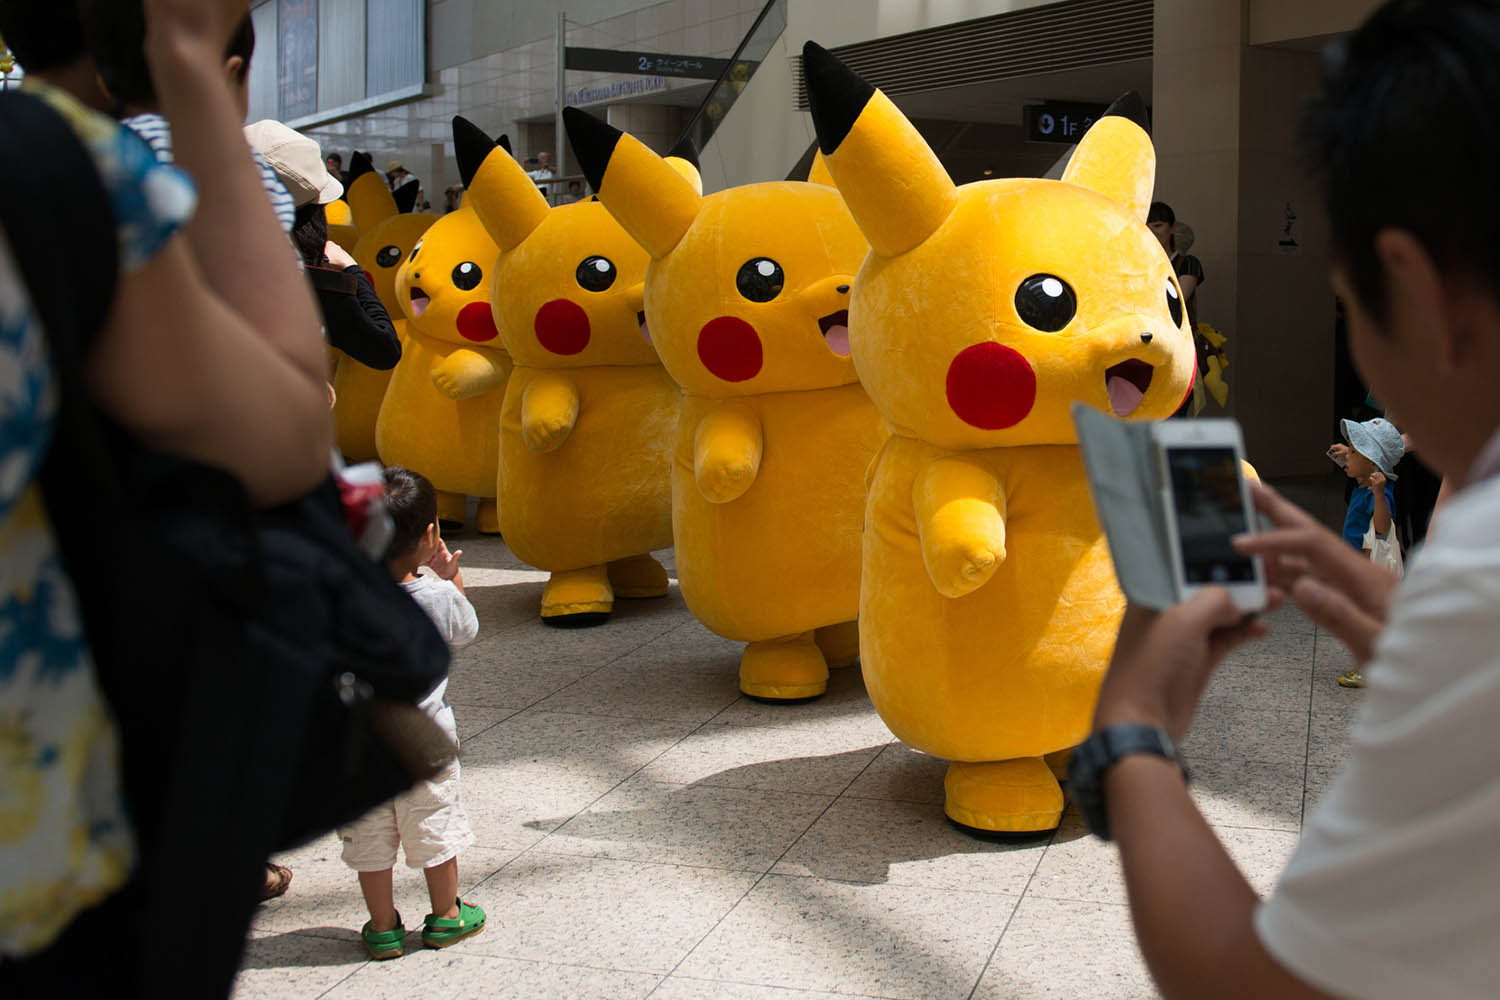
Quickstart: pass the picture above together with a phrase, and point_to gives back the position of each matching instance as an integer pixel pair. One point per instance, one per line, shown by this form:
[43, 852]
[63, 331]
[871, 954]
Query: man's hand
[1338, 587]
[1163, 660]
[443, 562]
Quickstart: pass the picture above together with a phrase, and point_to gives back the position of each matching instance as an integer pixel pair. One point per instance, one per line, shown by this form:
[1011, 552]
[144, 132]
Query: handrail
[726, 89]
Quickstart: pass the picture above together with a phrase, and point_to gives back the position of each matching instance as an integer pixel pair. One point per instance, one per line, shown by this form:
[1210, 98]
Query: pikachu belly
[784, 557]
[1012, 669]
[606, 493]
[454, 443]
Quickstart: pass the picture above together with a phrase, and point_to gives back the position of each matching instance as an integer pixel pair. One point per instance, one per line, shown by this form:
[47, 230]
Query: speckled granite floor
[645, 831]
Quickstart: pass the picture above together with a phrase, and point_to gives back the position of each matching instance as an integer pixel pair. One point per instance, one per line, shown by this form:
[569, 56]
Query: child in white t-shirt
[428, 822]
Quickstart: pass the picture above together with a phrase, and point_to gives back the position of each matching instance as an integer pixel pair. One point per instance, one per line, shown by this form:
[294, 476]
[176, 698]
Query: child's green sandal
[440, 932]
[384, 944]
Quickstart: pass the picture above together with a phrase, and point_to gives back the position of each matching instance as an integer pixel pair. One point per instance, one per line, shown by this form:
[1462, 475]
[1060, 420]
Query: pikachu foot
[1007, 797]
[487, 518]
[577, 598]
[1057, 763]
[453, 509]
[839, 643]
[790, 669]
[636, 577]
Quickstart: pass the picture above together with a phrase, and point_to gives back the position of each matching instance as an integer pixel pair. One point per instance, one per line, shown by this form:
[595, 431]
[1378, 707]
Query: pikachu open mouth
[640, 318]
[1127, 383]
[835, 327]
[419, 301]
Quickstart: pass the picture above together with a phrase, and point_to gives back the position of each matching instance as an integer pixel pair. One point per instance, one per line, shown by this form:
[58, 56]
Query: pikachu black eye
[596, 273]
[388, 256]
[1045, 302]
[1174, 302]
[414, 250]
[760, 280]
[467, 275]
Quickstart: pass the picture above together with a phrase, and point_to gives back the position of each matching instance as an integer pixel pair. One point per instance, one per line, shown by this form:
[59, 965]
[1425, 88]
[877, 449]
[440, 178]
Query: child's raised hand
[443, 562]
[1376, 481]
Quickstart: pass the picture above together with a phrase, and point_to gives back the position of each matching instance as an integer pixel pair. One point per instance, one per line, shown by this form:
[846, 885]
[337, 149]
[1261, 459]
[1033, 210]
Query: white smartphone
[1208, 503]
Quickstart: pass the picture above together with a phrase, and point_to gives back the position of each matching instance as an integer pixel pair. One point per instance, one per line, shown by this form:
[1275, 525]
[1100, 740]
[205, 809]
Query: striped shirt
[158, 135]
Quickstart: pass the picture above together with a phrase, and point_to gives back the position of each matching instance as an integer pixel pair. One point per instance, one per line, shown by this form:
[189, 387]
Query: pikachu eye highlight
[596, 273]
[1045, 302]
[414, 250]
[388, 256]
[467, 275]
[1174, 302]
[760, 280]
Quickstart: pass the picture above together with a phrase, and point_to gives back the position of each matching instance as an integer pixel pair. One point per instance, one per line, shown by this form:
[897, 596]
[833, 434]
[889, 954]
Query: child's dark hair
[412, 503]
[115, 32]
[310, 233]
[1161, 212]
[42, 36]
[1404, 135]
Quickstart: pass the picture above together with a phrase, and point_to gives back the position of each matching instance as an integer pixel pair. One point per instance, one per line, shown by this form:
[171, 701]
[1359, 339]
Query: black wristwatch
[1098, 754]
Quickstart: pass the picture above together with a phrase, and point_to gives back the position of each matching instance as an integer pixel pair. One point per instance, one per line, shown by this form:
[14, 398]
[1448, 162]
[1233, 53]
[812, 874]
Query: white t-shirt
[1394, 890]
[454, 617]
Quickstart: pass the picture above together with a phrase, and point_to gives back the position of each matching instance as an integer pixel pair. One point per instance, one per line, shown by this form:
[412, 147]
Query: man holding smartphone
[1394, 890]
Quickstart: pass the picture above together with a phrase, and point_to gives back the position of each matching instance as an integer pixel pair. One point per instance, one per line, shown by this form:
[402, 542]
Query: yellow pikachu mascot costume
[747, 303]
[587, 428]
[441, 414]
[387, 236]
[989, 605]
[341, 228]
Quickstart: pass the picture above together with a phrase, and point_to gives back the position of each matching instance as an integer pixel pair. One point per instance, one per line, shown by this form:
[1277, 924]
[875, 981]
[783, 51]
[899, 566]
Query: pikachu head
[341, 229]
[387, 235]
[568, 283]
[985, 310]
[747, 291]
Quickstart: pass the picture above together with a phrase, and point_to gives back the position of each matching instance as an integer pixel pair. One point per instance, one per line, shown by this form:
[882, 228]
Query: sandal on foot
[1352, 679]
[281, 878]
[440, 932]
[384, 944]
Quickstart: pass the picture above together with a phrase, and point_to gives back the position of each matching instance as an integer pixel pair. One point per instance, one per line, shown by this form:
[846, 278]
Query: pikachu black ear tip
[835, 93]
[684, 149]
[1131, 105]
[503, 141]
[471, 146]
[593, 143]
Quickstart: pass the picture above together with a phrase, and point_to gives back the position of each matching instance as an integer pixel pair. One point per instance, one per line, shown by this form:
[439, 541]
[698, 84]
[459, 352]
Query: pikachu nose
[842, 289]
[1146, 338]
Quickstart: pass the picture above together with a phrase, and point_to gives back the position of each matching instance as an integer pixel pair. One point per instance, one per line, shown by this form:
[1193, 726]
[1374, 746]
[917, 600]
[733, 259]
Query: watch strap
[1097, 754]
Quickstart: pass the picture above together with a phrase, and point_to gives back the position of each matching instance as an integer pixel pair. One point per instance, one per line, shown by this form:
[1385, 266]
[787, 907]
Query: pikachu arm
[549, 409]
[727, 448]
[961, 524]
[467, 373]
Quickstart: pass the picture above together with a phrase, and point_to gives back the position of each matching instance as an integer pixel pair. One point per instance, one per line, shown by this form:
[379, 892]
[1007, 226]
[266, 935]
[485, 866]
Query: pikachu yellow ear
[819, 173]
[369, 198]
[1116, 158]
[507, 201]
[889, 177]
[648, 197]
[683, 158]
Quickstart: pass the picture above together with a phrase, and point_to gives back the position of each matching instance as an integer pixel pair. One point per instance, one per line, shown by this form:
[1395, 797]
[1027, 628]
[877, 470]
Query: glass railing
[746, 60]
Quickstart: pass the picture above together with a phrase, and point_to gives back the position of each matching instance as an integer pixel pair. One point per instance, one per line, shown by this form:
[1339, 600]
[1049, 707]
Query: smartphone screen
[1210, 512]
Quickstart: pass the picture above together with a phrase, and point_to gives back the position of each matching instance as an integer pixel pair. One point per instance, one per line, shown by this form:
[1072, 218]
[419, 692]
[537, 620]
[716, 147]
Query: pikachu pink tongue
[1124, 395]
[838, 339]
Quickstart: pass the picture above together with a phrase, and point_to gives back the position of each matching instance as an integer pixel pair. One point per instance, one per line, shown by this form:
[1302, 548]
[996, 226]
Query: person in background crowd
[116, 34]
[539, 169]
[575, 193]
[1394, 889]
[453, 198]
[1162, 222]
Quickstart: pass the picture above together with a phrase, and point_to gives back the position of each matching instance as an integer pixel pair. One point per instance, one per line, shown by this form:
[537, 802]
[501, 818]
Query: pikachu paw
[452, 385]
[721, 483]
[790, 669]
[638, 577]
[960, 568]
[546, 435]
[1003, 797]
[577, 597]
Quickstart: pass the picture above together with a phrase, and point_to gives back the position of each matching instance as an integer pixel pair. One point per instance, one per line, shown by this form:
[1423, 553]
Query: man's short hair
[411, 501]
[42, 36]
[115, 32]
[1161, 212]
[1405, 136]
[336, 158]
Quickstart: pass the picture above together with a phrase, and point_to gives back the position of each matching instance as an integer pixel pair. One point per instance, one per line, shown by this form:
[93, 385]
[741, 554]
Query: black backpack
[262, 669]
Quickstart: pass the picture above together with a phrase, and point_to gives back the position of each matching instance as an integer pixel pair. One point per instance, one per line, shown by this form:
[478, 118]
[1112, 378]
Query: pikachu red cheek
[991, 386]
[562, 327]
[477, 323]
[730, 349]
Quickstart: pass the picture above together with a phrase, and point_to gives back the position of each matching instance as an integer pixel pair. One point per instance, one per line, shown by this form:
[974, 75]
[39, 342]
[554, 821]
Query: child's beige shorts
[428, 822]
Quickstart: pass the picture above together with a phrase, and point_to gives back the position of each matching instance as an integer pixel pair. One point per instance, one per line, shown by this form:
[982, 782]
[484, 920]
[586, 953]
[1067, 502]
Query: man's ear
[1420, 297]
[234, 68]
